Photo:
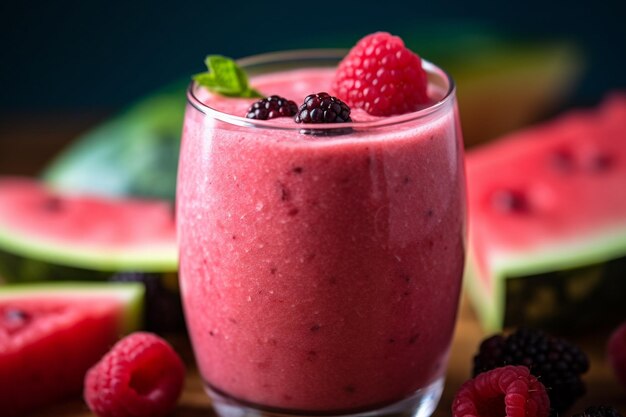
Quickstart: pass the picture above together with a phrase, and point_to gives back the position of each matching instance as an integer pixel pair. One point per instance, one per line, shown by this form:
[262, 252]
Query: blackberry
[323, 108]
[272, 107]
[599, 411]
[557, 363]
[163, 310]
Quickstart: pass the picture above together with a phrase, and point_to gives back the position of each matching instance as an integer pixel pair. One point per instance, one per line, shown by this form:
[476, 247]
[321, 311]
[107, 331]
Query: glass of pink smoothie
[320, 273]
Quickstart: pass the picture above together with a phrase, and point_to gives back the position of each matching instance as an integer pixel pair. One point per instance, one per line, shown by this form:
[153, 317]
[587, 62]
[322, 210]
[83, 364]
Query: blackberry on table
[557, 363]
[272, 107]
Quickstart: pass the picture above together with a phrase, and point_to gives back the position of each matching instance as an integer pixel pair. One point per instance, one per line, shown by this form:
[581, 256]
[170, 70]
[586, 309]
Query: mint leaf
[206, 79]
[226, 78]
[225, 73]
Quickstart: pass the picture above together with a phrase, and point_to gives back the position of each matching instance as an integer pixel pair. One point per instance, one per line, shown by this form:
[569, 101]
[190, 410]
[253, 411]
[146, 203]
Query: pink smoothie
[320, 273]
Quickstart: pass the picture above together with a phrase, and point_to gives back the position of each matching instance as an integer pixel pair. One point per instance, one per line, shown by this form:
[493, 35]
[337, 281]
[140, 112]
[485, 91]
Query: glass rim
[336, 53]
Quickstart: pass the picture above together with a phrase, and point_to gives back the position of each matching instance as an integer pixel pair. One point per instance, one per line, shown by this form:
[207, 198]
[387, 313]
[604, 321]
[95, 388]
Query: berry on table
[557, 363]
[272, 107]
[509, 391]
[140, 376]
[382, 76]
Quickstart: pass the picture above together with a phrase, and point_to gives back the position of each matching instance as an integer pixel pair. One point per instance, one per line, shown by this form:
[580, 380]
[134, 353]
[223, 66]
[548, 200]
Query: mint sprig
[225, 77]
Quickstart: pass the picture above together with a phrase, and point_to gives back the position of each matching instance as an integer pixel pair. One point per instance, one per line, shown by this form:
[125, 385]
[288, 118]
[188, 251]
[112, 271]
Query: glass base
[421, 404]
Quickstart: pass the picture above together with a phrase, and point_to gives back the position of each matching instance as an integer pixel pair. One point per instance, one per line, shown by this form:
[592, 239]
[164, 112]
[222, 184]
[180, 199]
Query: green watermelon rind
[130, 294]
[587, 250]
[146, 258]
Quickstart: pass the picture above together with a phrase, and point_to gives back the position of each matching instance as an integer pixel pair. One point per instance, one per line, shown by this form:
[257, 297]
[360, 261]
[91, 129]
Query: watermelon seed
[562, 160]
[510, 201]
[600, 162]
[53, 204]
[15, 319]
[13, 315]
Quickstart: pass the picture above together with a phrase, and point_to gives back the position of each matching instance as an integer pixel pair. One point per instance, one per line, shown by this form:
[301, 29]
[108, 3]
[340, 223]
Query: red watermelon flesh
[549, 198]
[83, 231]
[50, 335]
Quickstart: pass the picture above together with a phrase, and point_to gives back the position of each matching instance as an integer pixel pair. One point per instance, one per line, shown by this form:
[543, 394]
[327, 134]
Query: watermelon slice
[52, 333]
[47, 235]
[547, 233]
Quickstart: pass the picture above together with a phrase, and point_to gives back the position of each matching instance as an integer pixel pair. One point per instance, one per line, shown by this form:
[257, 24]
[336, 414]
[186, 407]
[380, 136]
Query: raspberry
[616, 352]
[140, 376]
[556, 362]
[509, 391]
[599, 411]
[272, 107]
[323, 108]
[381, 76]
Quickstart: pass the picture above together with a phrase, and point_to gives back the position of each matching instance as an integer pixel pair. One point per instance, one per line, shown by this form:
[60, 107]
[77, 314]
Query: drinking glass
[321, 265]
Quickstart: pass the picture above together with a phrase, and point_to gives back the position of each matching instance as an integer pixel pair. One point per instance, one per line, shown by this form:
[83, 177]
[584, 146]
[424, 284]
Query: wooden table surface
[28, 141]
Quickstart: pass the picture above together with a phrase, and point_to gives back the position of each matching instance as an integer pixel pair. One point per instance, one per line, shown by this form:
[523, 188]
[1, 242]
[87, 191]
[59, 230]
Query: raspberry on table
[140, 376]
[272, 107]
[616, 352]
[323, 108]
[510, 391]
[556, 362]
[599, 411]
[382, 76]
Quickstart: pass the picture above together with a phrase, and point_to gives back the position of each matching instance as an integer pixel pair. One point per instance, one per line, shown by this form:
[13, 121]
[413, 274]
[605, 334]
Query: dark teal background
[103, 54]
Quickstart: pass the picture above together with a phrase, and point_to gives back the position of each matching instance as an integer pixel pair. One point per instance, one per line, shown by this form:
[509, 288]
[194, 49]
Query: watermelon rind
[558, 256]
[130, 294]
[147, 258]
[584, 250]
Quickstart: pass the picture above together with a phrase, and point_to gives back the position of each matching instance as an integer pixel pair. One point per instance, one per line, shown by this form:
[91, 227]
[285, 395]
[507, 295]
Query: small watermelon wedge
[88, 233]
[547, 229]
[52, 333]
